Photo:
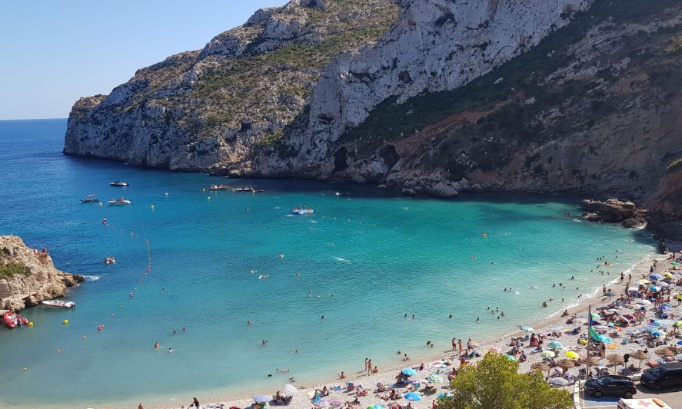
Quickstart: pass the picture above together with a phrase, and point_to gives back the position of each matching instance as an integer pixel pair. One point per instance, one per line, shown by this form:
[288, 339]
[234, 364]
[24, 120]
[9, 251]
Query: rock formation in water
[28, 276]
[429, 96]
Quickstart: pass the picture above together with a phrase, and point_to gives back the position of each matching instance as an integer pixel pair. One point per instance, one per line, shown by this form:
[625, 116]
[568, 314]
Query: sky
[53, 52]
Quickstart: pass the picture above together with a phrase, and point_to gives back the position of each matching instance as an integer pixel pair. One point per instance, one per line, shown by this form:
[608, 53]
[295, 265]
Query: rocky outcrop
[614, 211]
[39, 280]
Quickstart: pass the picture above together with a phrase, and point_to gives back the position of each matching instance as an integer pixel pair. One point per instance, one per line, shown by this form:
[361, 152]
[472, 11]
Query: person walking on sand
[459, 345]
[140, 406]
[195, 403]
[454, 343]
[369, 366]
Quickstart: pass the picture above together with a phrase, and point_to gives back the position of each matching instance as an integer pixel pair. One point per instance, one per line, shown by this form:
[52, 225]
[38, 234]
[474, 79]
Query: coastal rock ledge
[28, 276]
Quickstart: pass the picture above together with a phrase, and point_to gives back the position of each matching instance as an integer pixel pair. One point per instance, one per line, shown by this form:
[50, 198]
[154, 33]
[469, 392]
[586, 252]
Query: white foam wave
[92, 278]
[343, 260]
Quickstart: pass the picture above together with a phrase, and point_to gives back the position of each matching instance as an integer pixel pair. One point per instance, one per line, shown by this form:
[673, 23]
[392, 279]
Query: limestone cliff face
[221, 104]
[432, 96]
[436, 45]
[42, 280]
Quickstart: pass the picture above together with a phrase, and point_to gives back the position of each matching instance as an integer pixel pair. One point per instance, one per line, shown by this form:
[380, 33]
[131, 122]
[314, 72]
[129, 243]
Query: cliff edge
[28, 276]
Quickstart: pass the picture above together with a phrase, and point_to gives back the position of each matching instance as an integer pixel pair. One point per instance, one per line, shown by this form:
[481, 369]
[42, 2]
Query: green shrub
[674, 166]
[12, 269]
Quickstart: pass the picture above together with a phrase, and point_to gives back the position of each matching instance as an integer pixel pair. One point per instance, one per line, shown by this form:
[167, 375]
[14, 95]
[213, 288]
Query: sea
[247, 295]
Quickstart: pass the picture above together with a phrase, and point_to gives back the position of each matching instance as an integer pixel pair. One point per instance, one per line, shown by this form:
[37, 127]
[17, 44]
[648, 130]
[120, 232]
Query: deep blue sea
[339, 284]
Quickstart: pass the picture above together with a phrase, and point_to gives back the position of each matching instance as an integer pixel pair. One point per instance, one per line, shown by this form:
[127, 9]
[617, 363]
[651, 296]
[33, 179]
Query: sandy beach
[439, 364]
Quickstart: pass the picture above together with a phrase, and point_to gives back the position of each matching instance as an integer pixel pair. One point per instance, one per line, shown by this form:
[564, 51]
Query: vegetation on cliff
[569, 84]
[242, 88]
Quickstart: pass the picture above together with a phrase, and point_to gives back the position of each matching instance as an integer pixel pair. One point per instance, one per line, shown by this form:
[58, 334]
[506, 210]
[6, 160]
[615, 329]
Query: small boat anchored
[218, 187]
[13, 320]
[91, 199]
[302, 210]
[118, 183]
[59, 304]
[109, 260]
[119, 202]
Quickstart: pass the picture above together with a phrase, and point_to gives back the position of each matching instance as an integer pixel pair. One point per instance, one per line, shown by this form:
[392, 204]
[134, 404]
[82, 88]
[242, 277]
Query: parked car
[611, 385]
[663, 375]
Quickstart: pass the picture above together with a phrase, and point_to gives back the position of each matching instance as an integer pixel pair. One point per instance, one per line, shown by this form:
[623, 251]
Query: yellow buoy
[100, 203]
[209, 198]
[203, 190]
[65, 322]
[30, 323]
[166, 194]
[152, 207]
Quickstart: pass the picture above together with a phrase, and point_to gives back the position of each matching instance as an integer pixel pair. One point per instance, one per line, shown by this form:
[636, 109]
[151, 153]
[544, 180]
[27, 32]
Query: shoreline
[386, 374]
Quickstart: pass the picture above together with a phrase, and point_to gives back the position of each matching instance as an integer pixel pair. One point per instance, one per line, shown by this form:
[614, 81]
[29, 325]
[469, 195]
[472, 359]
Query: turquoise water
[363, 260]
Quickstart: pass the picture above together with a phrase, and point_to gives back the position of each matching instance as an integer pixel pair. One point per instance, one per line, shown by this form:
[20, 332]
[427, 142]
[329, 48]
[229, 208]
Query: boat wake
[92, 278]
[343, 260]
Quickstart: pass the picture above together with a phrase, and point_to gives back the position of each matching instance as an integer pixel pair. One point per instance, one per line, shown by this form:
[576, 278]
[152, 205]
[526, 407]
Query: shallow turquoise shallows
[336, 286]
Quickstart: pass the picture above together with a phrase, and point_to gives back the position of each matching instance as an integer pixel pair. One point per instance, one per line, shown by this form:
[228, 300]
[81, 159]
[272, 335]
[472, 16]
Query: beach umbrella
[664, 352]
[615, 359]
[668, 274]
[675, 263]
[642, 281]
[640, 356]
[655, 276]
[596, 316]
[289, 389]
[654, 288]
[413, 396]
[565, 363]
[605, 339]
[657, 333]
[547, 354]
[679, 342]
[444, 395]
[409, 371]
[572, 355]
[375, 406]
[261, 398]
[527, 328]
[540, 366]
[643, 302]
[663, 284]
[593, 360]
[555, 345]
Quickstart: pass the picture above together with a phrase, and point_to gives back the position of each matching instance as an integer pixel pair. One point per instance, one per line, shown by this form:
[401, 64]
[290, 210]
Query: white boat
[59, 304]
[118, 202]
[119, 183]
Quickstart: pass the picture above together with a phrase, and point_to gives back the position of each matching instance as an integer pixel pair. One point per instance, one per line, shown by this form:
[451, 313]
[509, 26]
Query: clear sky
[53, 52]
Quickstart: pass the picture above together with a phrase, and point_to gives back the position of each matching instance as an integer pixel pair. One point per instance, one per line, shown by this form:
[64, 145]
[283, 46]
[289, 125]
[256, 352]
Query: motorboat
[119, 202]
[109, 260]
[118, 183]
[59, 304]
[13, 320]
[243, 189]
[218, 187]
[91, 199]
[302, 210]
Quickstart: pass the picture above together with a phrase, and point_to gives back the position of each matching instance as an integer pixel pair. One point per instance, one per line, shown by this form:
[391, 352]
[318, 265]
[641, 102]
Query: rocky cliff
[432, 96]
[28, 276]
